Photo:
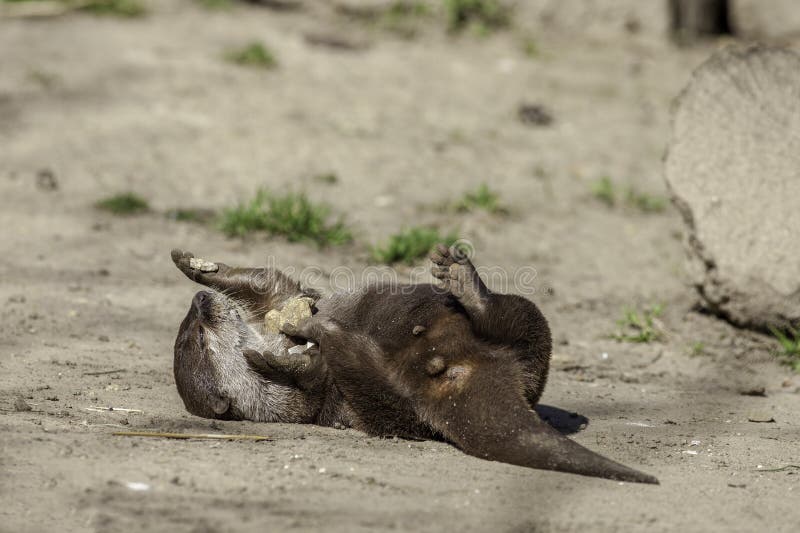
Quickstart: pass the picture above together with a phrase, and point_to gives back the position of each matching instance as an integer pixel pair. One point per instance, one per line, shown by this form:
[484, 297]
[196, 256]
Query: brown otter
[457, 362]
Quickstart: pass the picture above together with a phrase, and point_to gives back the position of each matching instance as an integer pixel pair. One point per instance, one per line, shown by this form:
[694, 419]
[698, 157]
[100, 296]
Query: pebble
[202, 265]
[21, 405]
[760, 416]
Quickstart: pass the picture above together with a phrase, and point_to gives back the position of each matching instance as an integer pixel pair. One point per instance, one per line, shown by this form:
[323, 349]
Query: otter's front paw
[306, 369]
[272, 366]
[312, 329]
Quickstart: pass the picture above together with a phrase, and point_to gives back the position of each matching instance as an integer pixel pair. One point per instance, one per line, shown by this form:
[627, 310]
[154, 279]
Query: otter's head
[211, 373]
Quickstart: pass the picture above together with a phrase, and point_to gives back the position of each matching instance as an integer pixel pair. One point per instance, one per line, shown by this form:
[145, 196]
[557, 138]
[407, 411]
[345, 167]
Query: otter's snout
[201, 302]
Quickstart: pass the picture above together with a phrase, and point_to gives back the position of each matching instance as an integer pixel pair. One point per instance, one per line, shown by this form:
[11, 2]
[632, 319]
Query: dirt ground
[148, 105]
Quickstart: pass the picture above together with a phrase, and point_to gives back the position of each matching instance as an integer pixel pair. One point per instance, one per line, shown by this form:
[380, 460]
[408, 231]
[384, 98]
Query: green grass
[640, 327]
[291, 215]
[530, 47]
[402, 17]
[254, 55]
[190, 214]
[646, 203]
[481, 198]
[485, 15]
[215, 4]
[605, 191]
[698, 348]
[790, 344]
[126, 203]
[409, 245]
[118, 8]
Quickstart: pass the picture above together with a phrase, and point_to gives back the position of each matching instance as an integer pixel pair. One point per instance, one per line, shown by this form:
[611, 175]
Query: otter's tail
[486, 416]
[537, 445]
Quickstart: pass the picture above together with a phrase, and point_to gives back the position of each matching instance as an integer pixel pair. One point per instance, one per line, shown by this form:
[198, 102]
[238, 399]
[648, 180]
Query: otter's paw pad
[453, 268]
[456, 278]
[441, 256]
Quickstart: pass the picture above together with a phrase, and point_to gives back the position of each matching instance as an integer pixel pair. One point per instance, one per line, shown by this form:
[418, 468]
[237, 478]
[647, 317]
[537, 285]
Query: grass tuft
[530, 47]
[698, 348]
[402, 17]
[215, 4]
[254, 55]
[644, 202]
[409, 245]
[641, 327]
[126, 203]
[481, 198]
[485, 15]
[191, 214]
[605, 191]
[117, 8]
[790, 343]
[291, 215]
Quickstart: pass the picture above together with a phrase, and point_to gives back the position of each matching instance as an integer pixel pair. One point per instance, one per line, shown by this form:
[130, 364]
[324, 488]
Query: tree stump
[733, 167]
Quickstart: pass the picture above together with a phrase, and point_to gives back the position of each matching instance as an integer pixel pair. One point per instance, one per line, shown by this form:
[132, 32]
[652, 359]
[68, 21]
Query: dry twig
[210, 436]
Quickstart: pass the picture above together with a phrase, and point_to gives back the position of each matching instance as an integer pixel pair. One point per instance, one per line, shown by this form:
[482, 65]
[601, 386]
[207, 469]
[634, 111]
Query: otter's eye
[201, 335]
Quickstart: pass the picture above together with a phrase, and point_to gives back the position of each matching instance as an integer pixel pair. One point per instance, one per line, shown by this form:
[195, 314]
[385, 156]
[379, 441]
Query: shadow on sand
[564, 421]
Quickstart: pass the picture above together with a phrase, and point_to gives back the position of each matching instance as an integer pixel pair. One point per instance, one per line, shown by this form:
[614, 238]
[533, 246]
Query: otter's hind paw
[458, 275]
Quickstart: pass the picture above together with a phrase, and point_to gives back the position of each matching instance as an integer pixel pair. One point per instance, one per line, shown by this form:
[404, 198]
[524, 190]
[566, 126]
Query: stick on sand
[210, 436]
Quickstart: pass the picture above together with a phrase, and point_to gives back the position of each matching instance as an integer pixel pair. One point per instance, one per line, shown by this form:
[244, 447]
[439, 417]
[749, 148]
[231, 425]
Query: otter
[453, 362]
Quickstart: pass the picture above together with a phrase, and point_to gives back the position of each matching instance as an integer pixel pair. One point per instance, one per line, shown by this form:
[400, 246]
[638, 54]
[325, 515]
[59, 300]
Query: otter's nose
[201, 300]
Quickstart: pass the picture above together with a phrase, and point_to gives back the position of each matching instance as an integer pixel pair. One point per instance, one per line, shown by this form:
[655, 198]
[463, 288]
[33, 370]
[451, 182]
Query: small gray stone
[760, 416]
[21, 405]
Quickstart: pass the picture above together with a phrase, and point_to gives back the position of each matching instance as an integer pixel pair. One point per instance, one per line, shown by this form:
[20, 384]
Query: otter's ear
[220, 405]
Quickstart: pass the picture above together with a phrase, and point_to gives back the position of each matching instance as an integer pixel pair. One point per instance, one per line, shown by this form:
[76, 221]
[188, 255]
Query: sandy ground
[148, 105]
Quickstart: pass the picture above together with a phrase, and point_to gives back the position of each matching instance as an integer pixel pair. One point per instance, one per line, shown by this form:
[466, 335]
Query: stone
[733, 169]
[21, 405]
[760, 417]
[293, 311]
[774, 20]
[202, 265]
